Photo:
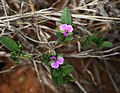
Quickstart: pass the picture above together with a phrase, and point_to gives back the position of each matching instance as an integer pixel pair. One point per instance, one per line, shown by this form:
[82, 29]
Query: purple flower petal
[54, 65]
[60, 60]
[63, 27]
[65, 34]
[53, 58]
[69, 28]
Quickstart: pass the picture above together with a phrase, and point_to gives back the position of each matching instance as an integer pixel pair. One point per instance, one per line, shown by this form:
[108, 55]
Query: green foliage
[60, 75]
[13, 47]
[59, 34]
[93, 40]
[66, 17]
[57, 80]
[67, 69]
[26, 56]
[68, 39]
[87, 41]
[15, 56]
[98, 40]
[105, 44]
[9, 43]
[63, 39]
[46, 57]
[57, 72]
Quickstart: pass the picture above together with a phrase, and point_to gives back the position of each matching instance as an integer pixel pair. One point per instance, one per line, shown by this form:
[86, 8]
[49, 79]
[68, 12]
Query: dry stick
[65, 3]
[74, 2]
[110, 50]
[3, 30]
[97, 73]
[92, 56]
[4, 54]
[5, 11]
[5, 71]
[32, 6]
[6, 33]
[8, 70]
[80, 86]
[80, 8]
[56, 2]
[88, 71]
[36, 40]
[79, 46]
[110, 76]
[36, 69]
[97, 18]
[115, 73]
[47, 13]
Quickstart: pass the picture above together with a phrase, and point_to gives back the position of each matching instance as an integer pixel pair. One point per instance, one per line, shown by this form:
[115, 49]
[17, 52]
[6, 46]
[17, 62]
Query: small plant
[65, 33]
[95, 40]
[60, 70]
[15, 49]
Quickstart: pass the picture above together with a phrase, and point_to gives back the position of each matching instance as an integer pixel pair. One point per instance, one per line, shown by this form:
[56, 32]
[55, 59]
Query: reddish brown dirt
[22, 80]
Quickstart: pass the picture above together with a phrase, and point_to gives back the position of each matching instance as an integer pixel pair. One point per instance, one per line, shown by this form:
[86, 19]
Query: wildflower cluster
[66, 29]
[59, 68]
[56, 62]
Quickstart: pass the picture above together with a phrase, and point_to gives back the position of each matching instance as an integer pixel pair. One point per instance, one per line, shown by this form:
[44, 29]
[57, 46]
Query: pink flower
[60, 60]
[54, 65]
[66, 29]
[53, 58]
[57, 61]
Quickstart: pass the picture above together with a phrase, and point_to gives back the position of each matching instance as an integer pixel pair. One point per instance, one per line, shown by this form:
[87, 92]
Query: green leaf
[67, 69]
[106, 44]
[59, 77]
[66, 17]
[56, 79]
[15, 56]
[59, 55]
[68, 78]
[69, 38]
[58, 34]
[71, 78]
[26, 56]
[92, 38]
[9, 43]
[50, 62]
[99, 40]
[65, 79]
[46, 57]
[87, 41]
[70, 33]
[57, 72]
